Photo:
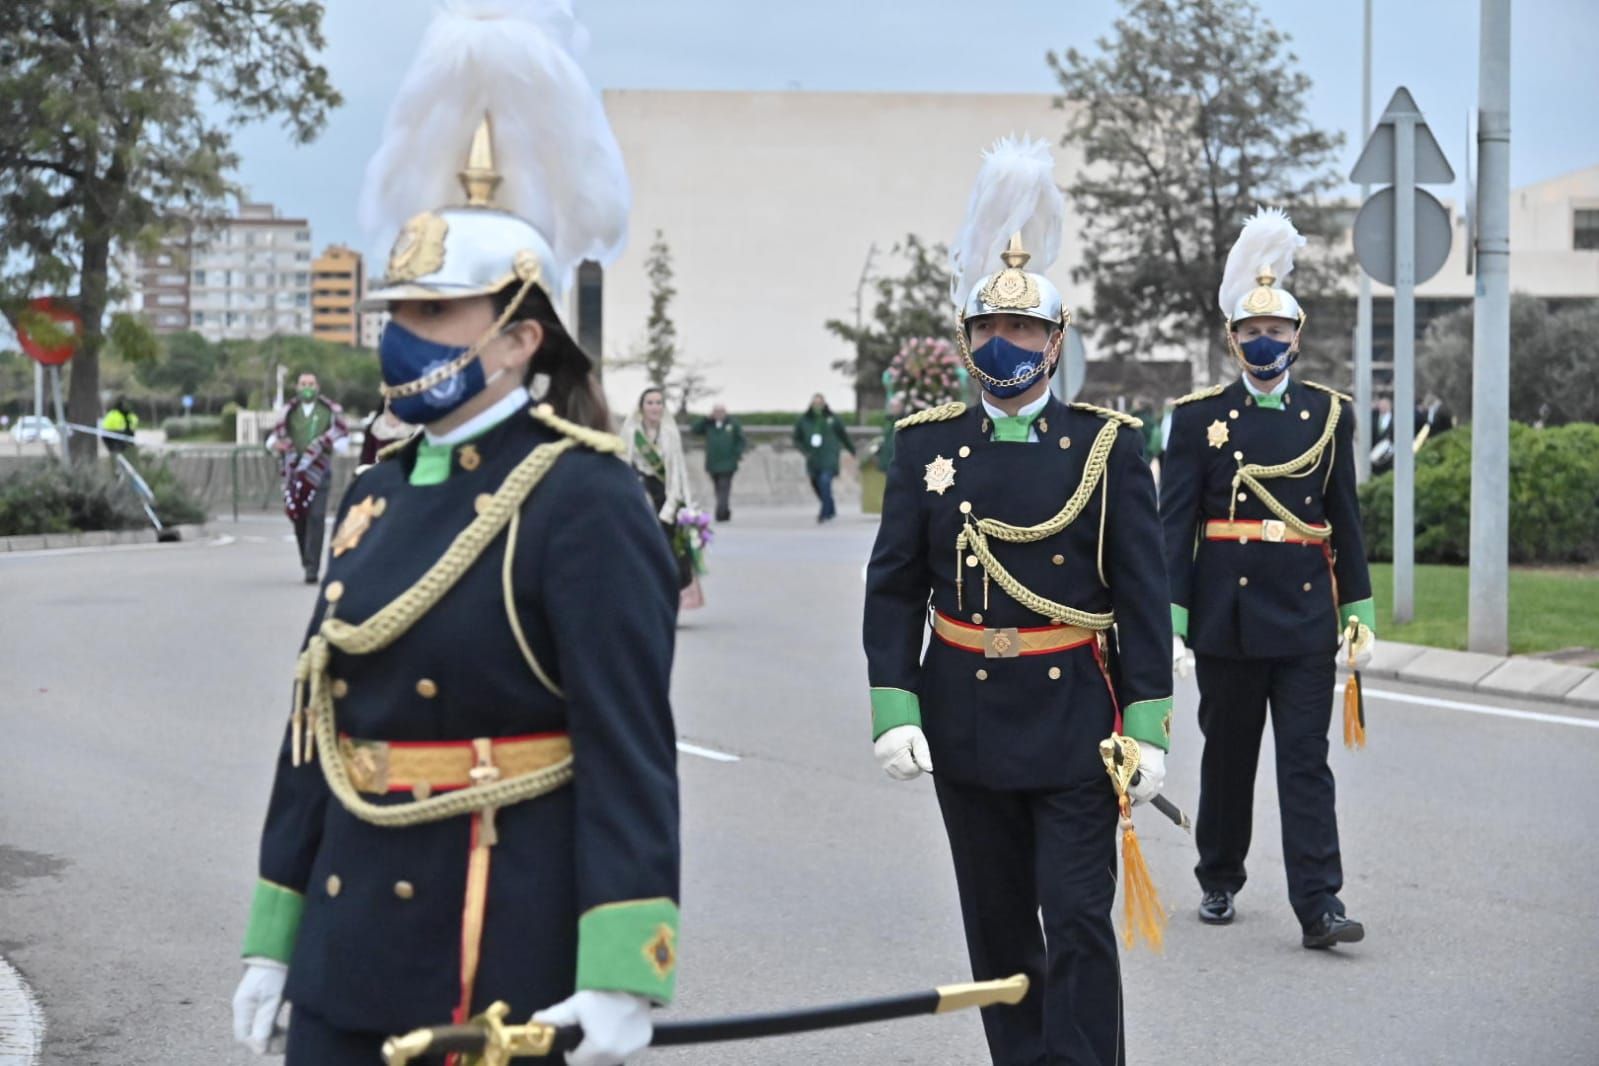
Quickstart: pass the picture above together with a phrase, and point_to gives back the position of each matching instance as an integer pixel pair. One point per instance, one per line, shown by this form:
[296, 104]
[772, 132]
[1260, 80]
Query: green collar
[1014, 428]
[432, 466]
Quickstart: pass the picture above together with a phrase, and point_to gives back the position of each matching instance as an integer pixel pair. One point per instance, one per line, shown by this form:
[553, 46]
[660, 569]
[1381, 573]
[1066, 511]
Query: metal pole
[1404, 366]
[38, 390]
[1488, 619]
[61, 416]
[1363, 300]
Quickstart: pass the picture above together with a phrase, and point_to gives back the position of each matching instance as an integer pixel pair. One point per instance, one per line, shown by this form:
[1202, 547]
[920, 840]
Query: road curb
[102, 538]
[1490, 675]
[21, 1020]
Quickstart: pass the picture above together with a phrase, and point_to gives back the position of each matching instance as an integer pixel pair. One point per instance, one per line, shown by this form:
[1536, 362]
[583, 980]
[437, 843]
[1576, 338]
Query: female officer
[476, 798]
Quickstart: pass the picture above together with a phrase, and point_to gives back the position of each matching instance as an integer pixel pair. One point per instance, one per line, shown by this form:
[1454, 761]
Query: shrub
[45, 498]
[229, 428]
[1554, 498]
[193, 427]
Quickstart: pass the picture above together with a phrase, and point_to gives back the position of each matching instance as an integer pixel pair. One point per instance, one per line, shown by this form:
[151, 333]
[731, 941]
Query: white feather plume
[1268, 239]
[515, 60]
[1015, 191]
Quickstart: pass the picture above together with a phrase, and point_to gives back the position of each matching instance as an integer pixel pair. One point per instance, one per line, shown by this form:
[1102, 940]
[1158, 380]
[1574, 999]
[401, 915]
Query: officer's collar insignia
[357, 520]
[940, 475]
[469, 457]
[1217, 433]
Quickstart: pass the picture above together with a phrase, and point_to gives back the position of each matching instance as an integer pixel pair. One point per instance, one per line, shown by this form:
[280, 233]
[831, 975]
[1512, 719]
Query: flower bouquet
[693, 536]
[925, 373]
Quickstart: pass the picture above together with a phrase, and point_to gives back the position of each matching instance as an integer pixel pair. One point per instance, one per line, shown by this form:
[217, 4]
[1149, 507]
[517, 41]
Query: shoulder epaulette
[389, 451]
[1331, 392]
[1107, 413]
[942, 413]
[593, 439]
[1202, 394]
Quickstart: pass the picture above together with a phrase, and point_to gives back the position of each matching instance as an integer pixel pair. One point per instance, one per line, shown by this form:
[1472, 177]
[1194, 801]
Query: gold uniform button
[1054, 673]
[1242, 496]
[341, 688]
[427, 688]
[971, 560]
[966, 507]
[1065, 442]
[1058, 560]
[1249, 401]
[334, 592]
[482, 502]
[404, 889]
[1239, 456]
[965, 451]
[982, 675]
[1243, 581]
[1233, 413]
[469, 458]
[1307, 586]
[1304, 416]
[1243, 540]
[977, 619]
[334, 884]
[1307, 501]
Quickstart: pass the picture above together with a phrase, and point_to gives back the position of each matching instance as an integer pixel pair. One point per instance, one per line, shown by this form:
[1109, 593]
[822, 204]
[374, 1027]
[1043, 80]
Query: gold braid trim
[1202, 394]
[390, 623]
[389, 451]
[1330, 392]
[976, 533]
[592, 439]
[1115, 416]
[1252, 474]
[942, 413]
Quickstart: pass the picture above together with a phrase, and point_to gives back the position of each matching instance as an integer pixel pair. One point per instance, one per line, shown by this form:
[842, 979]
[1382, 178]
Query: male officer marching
[1267, 573]
[1023, 529]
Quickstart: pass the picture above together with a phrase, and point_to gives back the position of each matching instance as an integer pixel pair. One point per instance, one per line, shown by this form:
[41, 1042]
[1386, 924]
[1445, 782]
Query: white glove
[1365, 644]
[1151, 774]
[902, 752]
[615, 1025]
[256, 1002]
[1182, 660]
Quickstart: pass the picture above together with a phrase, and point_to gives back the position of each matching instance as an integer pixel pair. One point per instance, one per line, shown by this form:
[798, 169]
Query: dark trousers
[309, 529]
[313, 1042]
[724, 492]
[1233, 698]
[822, 483]
[1016, 853]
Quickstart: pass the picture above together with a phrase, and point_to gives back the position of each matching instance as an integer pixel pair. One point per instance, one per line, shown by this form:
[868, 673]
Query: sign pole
[38, 390]
[1489, 591]
[1363, 388]
[61, 416]
[1404, 366]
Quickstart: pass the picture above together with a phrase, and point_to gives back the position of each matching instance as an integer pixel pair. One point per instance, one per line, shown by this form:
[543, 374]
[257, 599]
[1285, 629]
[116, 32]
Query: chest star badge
[357, 520]
[940, 476]
[1217, 433]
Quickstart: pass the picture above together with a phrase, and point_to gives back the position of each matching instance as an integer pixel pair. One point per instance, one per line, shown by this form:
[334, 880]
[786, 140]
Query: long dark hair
[574, 391]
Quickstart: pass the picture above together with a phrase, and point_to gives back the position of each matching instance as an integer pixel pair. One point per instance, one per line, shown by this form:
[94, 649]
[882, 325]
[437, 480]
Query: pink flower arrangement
[925, 373]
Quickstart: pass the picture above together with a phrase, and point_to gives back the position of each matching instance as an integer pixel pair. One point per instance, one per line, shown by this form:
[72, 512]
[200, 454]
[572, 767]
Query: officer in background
[476, 795]
[1022, 529]
[120, 419]
[1267, 573]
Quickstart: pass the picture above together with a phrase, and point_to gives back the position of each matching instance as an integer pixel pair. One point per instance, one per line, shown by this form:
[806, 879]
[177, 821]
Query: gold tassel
[1354, 728]
[1142, 913]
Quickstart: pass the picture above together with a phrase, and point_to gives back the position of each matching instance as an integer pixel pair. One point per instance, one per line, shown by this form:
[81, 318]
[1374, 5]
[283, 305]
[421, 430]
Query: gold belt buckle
[367, 763]
[1273, 531]
[1002, 643]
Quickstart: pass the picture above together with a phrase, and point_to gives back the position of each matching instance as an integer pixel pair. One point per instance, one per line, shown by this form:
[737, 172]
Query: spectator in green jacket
[819, 435]
[724, 449]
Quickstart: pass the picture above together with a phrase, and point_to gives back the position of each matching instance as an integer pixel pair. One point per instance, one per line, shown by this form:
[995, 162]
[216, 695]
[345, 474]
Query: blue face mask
[1002, 360]
[1268, 357]
[404, 357]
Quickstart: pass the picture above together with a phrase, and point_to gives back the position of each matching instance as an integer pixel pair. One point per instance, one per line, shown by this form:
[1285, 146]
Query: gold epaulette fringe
[1202, 394]
[593, 439]
[942, 413]
[1114, 416]
[1329, 391]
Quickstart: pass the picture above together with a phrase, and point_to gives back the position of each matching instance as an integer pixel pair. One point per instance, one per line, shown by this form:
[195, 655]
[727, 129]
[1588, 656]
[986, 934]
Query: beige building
[336, 287]
[771, 203]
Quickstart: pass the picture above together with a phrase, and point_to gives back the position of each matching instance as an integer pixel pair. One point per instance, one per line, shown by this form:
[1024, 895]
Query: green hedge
[1554, 498]
[195, 427]
[44, 497]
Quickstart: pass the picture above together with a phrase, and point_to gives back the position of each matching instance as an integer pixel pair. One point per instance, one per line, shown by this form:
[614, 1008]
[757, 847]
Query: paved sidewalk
[1489, 675]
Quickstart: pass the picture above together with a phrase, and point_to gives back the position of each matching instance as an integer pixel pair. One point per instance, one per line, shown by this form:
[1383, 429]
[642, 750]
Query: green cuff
[894, 707]
[1365, 610]
[274, 920]
[1149, 721]
[1179, 621]
[630, 946]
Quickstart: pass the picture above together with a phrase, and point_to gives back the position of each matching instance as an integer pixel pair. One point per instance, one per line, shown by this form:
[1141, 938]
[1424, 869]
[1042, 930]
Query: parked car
[35, 427]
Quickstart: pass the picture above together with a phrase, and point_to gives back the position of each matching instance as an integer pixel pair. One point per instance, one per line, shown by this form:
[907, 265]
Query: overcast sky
[1430, 46]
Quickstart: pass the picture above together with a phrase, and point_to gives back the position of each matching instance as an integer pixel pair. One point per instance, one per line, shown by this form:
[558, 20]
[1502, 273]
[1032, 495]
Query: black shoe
[1332, 929]
[311, 579]
[1216, 908]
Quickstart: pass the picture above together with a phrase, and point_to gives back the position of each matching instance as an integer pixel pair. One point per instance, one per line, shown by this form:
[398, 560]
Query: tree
[115, 120]
[1190, 117]
[692, 385]
[1554, 377]
[660, 348]
[910, 305]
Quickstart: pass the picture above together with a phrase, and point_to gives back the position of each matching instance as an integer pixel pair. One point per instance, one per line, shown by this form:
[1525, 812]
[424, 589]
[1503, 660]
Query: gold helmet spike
[1014, 255]
[479, 179]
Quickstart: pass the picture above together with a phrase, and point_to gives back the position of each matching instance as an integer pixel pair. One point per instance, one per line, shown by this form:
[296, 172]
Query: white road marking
[21, 1021]
[221, 541]
[1478, 708]
[705, 753]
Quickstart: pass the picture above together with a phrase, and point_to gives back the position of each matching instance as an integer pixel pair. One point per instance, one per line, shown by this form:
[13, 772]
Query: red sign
[58, 311]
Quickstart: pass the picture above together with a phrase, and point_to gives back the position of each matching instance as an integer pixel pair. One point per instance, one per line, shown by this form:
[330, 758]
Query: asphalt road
[144, 691]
